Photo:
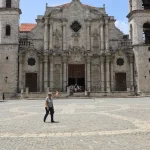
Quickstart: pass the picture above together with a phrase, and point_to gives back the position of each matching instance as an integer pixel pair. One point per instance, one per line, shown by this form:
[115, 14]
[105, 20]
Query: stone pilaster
[108, 73]
[88, 35]
[64, 37]
[51, 72]
[102, 60]
[51, 36]
[65, 73]
[46, 34]
[20, 71]
[45, 72]
[131, 60]
[106, 35]
[112, 74]
[102, 35]
[88, 70]
[41, 73]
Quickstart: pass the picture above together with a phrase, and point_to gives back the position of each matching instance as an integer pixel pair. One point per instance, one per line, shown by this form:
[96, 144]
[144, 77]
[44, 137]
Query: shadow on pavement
[2, 101]
[53, 122]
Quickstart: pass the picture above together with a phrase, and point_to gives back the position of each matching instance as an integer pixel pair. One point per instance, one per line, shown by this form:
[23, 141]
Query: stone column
[102, 73]
[51, 73]
[102, 35]
[46, 34]
[64, 74]
[41, 73]
[85, 75]
[64, 37]
[51, 36]
[107, 74]
[131, 73]
[20, 71]
[88, 35]
[88, 73]
[106, 35]
[112, 75]
[45, 72]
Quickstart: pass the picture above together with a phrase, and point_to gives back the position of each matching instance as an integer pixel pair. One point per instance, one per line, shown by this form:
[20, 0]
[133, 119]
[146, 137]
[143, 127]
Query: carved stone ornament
[76, 50]
[57, 36]
[76, 53]
[96, 67]
[57, 66]
[95, 33]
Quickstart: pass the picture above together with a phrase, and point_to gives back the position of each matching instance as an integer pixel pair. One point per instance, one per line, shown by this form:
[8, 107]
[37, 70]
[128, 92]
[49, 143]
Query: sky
[117, 8]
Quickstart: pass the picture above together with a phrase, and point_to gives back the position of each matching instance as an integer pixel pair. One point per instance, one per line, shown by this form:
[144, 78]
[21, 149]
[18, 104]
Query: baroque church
[74, 44]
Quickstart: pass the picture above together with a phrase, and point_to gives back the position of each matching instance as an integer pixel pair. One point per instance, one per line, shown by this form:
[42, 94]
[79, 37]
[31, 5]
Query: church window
[7, 58]
[120, 62]
[8, 30]
[146, 33]
[8, 3]
[31, 61]
[146, 4]
[149, 59]
[75, 26]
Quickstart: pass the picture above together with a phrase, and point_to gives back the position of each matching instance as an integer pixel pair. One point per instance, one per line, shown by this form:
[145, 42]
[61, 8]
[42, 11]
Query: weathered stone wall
[9, 48]
[143, 67]
[8, 68]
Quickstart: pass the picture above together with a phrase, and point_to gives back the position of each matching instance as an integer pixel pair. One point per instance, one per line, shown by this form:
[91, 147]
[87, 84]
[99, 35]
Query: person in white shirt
[49, 107]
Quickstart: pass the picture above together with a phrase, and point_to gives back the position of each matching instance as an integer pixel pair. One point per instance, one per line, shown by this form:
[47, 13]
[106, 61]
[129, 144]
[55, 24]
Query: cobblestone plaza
[83, 124]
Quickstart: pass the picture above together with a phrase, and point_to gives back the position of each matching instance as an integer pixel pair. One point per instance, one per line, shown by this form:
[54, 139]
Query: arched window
[146, 4]
[146, 33]
[8, 3]
[8, 30]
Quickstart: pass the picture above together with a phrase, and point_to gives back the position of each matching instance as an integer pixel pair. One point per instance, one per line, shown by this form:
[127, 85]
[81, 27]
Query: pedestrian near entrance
[49, 107]
[3, 96]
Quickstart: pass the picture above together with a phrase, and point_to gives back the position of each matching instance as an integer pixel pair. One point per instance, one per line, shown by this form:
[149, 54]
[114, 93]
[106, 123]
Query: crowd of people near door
[75, 88]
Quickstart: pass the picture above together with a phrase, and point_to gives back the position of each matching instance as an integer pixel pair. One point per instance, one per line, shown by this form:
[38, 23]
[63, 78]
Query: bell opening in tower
[76, 77]
[146, 4]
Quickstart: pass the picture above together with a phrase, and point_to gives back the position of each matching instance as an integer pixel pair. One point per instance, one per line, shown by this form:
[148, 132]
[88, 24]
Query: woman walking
[49, 107]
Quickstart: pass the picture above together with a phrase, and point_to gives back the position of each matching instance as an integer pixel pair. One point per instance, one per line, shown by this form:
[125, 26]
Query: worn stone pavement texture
[84, 124]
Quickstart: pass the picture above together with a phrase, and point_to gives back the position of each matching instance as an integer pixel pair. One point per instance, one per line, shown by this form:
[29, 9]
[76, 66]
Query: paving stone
[106, 124]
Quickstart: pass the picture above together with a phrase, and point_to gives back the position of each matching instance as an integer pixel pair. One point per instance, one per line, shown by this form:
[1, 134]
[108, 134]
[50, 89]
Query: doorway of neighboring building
[31, 81]
[76, 76]
[121, 84]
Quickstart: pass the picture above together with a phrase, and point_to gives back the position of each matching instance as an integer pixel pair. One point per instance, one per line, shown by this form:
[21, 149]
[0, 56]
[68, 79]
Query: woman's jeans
[51, 111]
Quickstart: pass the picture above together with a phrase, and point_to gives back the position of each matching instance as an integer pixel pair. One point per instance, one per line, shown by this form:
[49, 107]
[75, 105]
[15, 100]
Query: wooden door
[121, 84]
[31, 81]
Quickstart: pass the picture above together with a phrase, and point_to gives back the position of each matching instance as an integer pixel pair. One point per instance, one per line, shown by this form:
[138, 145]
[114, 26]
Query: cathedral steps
[65, 95]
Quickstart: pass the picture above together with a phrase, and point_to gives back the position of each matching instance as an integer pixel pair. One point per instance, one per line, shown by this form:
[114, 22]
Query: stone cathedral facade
[74, 44]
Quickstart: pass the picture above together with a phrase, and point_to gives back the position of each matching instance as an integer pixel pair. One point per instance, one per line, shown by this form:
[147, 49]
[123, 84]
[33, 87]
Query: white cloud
[123, 26]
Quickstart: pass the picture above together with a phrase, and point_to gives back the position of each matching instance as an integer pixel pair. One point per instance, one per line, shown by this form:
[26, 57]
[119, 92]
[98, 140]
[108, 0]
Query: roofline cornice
[11, 9]
[137, 11]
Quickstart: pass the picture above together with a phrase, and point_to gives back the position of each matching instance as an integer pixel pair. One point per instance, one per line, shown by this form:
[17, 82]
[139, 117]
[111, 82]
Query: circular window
[120, 62]
[75, 26]
[31, 61]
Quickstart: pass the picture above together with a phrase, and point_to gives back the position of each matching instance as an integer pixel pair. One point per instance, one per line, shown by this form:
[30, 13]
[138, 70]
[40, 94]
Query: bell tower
[139, 22]
[9, 45]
